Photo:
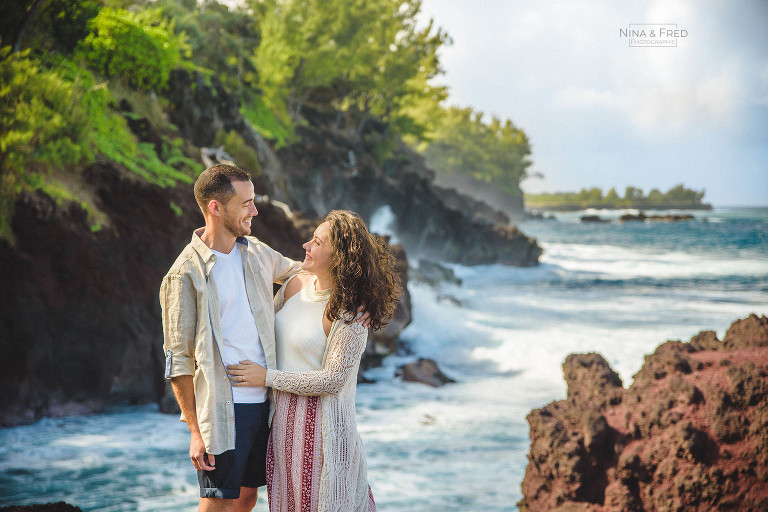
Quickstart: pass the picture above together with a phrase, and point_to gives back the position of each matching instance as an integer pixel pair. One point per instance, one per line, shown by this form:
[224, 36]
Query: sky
[599, 112]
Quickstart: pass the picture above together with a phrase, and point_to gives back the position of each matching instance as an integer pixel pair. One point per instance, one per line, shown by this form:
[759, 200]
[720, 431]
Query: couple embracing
[267, 386]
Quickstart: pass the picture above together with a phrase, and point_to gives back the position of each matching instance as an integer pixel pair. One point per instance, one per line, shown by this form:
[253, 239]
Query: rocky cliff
[689, 434]
[329, 169]
[79, 312]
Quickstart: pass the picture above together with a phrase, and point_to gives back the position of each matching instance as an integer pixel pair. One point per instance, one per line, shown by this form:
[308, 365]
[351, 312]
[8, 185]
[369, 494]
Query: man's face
[236, 215]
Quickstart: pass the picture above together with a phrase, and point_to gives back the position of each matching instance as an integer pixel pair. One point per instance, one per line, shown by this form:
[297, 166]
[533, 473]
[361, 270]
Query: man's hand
[200, 459]
[363, 316]
[247, 373]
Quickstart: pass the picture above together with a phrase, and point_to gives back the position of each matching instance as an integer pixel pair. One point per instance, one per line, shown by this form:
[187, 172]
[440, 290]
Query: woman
[315, 458]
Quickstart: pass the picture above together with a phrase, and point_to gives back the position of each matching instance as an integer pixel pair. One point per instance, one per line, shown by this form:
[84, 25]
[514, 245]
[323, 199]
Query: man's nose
[254, 211]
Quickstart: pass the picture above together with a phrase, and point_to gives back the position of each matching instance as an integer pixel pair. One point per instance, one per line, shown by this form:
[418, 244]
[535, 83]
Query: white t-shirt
[241, 337]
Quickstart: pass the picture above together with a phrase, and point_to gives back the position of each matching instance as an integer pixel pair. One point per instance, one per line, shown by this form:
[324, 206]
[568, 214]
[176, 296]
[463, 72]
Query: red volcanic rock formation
[690, 433]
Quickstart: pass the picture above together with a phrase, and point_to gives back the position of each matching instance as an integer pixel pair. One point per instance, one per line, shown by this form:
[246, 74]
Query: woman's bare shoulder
[295, 285]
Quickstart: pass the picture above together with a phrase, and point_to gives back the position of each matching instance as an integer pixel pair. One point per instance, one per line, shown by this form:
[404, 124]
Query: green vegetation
[142, 47]
[57, 114]
[82, 78]
[463, 143]
[364, 58]
[245, 156]
[676, 197]
[42, 127]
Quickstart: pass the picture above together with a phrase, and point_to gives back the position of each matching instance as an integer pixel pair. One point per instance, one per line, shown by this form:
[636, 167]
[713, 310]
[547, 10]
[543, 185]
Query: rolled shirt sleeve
[179, 312]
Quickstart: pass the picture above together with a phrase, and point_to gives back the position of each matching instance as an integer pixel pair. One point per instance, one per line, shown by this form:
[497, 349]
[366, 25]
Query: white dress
[315, 458]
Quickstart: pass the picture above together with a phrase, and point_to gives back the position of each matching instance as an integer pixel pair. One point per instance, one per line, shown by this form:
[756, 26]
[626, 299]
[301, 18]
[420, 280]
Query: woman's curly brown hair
[362, 270]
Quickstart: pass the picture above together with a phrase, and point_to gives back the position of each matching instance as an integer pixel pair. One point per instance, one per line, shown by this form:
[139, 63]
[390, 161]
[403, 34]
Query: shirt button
[228, 402]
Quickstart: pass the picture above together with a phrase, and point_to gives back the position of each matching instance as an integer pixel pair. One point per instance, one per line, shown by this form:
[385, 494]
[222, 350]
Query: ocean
[616, 289]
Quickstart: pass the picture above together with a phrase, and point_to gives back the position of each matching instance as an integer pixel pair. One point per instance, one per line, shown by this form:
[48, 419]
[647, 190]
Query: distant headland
[676, 198]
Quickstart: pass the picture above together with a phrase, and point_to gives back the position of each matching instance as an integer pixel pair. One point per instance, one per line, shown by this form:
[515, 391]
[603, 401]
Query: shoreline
[575, 208]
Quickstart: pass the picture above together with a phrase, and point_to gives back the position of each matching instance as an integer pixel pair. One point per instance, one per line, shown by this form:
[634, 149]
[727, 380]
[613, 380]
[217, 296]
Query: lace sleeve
[344, 352]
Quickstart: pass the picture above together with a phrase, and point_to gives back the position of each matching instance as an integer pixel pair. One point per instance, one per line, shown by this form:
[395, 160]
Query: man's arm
[179, 307]
[183, 389]
[282, 267]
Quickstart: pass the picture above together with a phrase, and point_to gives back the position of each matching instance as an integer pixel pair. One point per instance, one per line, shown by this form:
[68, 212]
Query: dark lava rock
[433, 273]
[48, 507]
[425, 371]
[593, 218]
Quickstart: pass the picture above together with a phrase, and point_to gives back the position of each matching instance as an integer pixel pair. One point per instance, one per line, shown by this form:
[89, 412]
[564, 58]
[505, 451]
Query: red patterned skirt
[295, 455]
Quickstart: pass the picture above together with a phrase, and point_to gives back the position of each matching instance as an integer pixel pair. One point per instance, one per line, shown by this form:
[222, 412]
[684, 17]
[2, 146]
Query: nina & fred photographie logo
[653, 34]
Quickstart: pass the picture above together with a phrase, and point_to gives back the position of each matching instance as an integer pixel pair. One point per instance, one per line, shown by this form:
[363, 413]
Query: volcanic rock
[593, 218]
[59, 506]
[689, 434]
[425, 371]
[433, 273]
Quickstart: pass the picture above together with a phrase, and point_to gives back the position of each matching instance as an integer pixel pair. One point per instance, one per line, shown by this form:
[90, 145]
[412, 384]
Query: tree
[142, 48]
[221, 39]
[612, 197]
[462, 142]
[365, 56]
[655, 196]
[633, 194]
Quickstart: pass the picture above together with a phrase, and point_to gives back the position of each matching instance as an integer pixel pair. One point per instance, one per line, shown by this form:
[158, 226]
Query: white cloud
[596, 109]
[586, 98]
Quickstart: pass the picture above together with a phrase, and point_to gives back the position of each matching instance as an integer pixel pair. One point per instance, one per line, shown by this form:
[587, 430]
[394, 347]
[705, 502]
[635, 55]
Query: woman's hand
[247, 373]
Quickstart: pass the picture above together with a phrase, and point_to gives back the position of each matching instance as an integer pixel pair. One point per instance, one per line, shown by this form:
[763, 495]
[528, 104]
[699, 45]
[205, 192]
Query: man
[217, 310]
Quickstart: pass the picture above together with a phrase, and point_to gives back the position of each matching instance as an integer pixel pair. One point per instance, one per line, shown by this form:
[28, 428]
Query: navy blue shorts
[246, 465]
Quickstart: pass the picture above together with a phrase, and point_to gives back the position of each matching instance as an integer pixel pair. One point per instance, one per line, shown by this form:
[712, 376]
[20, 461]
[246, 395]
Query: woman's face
[318, 251]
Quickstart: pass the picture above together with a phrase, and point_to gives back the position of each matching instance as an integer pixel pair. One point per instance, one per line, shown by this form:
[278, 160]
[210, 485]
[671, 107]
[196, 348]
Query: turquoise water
[618, 289]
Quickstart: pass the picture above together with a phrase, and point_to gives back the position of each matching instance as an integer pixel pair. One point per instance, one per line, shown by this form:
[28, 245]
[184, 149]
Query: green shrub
[58, 119]
[244, 155]
[256, 111]
[42, 126]
[139, 47]
[109, 134]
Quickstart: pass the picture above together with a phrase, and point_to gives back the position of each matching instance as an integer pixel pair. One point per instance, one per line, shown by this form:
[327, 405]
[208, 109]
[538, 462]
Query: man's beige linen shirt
[192, 331]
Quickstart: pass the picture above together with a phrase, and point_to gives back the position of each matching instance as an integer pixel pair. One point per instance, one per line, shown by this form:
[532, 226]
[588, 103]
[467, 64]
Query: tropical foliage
[677, 196]
[462, 142]
[142, 47]
[77, 74]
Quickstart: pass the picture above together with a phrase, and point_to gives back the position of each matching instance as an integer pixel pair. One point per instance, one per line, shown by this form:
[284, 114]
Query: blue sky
[601, 113]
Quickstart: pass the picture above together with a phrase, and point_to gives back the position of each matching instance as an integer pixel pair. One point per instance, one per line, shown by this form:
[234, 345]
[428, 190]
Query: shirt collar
[205, 252]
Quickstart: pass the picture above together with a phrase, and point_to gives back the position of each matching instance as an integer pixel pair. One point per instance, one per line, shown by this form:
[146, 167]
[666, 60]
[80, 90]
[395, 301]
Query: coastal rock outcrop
[641, 217]
[425, 371]
[59, 506]
[689, 434]
[79, 311]
[330, 169]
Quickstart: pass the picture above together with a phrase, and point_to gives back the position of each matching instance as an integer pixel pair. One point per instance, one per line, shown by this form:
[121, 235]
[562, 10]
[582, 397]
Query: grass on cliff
[264, 120]
[55, 117]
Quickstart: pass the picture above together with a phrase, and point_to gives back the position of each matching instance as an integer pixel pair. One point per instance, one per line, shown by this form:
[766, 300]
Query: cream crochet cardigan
[343, 477]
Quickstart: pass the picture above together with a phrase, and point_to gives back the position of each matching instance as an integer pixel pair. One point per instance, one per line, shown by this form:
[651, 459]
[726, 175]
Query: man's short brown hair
[216, 183]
